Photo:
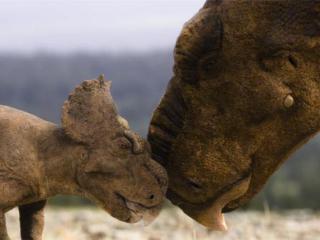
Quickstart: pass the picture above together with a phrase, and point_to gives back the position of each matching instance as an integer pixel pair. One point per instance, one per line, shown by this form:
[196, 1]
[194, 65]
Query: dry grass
[92, 224]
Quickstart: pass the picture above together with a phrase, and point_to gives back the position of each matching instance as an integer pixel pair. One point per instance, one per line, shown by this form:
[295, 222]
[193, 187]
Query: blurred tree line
[40, 83]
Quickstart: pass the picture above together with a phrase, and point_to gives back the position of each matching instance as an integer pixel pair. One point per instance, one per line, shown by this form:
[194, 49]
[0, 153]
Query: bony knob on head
[288, 101]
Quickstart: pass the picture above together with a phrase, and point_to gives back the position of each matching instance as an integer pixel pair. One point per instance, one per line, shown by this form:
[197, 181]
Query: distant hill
[40, 83]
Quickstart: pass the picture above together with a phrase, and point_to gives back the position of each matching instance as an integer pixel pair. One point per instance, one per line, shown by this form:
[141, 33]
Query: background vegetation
[40, 83]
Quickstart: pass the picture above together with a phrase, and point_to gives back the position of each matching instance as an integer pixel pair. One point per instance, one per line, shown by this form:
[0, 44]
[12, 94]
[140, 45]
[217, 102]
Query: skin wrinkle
[83, 157]
[238, 116]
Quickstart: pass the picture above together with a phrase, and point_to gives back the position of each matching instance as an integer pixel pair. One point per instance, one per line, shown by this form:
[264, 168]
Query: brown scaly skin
[245, 95]
[94, 154]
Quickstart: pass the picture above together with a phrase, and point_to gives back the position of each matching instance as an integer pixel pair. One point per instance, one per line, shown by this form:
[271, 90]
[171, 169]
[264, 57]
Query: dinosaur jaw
[211, 215]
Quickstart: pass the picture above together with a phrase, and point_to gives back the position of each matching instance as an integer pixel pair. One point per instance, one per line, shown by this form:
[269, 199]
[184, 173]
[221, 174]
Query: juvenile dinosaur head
[245, 94]
[118, 172]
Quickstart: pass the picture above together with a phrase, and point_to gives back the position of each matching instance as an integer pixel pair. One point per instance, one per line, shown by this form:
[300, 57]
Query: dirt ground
[93, 224]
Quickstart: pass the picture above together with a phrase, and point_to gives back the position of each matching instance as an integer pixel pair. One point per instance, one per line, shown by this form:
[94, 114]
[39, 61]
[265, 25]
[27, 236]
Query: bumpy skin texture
[94, 154]
[245, 95]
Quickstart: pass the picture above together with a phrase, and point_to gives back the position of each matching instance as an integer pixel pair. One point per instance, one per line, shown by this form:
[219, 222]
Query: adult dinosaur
[245, 95]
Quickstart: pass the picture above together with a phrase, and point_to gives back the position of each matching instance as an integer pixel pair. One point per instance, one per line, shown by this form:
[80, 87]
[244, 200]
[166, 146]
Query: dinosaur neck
[60, 157]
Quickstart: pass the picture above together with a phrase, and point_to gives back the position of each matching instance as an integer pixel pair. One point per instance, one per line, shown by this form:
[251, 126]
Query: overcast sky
[86, 25]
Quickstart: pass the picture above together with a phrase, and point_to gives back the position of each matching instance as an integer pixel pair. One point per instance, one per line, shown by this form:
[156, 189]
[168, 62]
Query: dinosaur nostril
[151, 197]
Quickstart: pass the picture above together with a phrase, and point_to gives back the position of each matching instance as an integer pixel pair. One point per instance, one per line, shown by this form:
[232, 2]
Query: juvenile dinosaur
[93, 154]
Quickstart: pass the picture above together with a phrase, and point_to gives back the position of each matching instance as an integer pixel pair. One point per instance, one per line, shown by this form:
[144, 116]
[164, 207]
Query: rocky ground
[92, 224]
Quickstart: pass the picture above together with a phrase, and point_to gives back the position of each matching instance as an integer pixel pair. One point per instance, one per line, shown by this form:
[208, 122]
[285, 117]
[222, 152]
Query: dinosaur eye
[293, 61]
[194, 185]
[282, 60]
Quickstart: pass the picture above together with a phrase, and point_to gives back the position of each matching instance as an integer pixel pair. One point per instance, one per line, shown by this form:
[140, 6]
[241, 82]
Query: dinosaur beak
[212, 216]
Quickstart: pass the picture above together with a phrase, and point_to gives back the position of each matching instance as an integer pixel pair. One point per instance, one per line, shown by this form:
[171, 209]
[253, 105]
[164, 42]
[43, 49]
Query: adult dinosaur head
[245, 94]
